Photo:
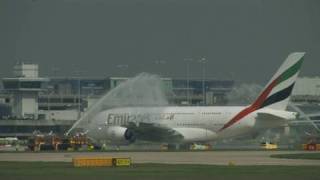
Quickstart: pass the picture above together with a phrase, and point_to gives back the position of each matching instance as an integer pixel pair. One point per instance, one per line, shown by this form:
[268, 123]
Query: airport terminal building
[30, 103]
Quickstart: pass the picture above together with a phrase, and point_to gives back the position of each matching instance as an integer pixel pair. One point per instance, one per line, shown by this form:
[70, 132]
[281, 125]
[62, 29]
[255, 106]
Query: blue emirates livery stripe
[279, 96]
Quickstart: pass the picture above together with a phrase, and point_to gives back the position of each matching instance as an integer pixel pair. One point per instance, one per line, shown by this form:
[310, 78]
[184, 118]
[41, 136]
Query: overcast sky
[246, 39]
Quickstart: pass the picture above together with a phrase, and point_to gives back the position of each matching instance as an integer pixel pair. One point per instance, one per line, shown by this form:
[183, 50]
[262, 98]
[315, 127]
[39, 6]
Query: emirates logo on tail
[278, 90]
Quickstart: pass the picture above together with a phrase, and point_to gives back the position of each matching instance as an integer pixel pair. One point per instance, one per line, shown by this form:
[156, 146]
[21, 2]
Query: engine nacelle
[118, 133]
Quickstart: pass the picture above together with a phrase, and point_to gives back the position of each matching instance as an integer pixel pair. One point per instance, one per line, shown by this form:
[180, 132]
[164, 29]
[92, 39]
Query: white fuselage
[194, 123]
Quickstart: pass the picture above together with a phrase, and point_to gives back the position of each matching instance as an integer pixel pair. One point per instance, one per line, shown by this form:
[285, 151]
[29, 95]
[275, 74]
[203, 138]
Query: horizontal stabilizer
[271, 114]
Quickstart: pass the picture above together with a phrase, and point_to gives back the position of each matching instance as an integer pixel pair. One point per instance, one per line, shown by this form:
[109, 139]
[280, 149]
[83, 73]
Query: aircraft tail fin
[277, 92]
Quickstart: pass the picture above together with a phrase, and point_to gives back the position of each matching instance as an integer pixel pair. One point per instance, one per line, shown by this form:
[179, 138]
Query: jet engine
[118, 133]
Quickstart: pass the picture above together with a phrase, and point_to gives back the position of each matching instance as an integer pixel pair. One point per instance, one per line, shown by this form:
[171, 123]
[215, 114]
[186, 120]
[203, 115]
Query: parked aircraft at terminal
[191, 124]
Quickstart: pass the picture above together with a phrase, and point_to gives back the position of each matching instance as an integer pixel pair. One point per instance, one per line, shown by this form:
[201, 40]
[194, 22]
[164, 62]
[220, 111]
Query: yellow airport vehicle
[268, 146]
[121, 162]
[200, 147]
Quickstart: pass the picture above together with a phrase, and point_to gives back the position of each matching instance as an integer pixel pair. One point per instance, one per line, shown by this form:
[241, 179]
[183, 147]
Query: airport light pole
[202, 61]
[79, 97]
[188, 60]
[50, 92]
[78, 73]
[49, 115]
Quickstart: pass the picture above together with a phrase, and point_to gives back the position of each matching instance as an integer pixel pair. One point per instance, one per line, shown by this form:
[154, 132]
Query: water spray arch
[143, 90]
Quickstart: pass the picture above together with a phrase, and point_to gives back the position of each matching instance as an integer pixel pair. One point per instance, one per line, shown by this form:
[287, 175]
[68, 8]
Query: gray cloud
[245, 39]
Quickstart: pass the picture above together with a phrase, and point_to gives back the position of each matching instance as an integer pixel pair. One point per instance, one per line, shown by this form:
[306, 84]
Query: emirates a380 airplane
[201, 124]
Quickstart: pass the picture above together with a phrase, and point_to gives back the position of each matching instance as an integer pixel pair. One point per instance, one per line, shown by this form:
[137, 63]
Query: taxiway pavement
[205, 157]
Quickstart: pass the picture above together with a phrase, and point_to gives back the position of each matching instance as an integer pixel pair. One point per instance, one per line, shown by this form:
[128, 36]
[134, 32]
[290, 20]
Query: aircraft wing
[154, 132]
[160, 133]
